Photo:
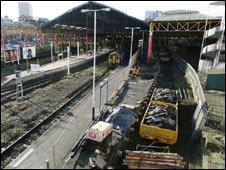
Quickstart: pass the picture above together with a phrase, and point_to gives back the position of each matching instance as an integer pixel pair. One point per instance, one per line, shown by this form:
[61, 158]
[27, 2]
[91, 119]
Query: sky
[51, 9]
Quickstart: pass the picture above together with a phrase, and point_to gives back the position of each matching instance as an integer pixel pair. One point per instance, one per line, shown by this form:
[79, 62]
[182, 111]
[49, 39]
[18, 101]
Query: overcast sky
[51, 9]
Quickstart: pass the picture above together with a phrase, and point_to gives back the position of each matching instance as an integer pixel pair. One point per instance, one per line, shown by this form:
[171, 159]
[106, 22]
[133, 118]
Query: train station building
[95, 88]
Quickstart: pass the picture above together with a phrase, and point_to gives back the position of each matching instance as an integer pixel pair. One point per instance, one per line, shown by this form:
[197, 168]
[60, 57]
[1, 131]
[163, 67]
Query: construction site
[111, 91]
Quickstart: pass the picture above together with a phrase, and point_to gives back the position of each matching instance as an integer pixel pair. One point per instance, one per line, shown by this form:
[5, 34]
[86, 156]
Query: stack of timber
[152, 160]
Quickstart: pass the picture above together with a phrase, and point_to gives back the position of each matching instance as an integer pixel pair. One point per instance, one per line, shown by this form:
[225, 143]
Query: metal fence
[74, 127]
[75, 123]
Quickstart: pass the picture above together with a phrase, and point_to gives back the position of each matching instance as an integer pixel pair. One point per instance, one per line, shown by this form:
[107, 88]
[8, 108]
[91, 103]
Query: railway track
[11, 89]
[81, 141]
[9, 93]
[159, 81]
[162, 79]
[18, 146]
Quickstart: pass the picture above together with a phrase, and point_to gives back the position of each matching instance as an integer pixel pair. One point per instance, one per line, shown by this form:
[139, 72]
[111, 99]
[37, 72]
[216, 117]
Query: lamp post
[18, 60]
[94, 57]
[68, 60]
[131, 45]
[79, 28]
[18, 56]
[51, 46]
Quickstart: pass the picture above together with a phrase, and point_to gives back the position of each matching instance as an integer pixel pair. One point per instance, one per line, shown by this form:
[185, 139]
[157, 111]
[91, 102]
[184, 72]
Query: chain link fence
[75, 125]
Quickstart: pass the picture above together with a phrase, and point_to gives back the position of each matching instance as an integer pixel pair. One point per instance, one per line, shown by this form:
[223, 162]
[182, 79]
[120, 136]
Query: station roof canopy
[183, 15]
[113, 21]
[183, 23]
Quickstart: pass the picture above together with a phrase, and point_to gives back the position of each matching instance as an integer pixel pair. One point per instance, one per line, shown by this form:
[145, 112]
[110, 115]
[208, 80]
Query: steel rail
[48, 119]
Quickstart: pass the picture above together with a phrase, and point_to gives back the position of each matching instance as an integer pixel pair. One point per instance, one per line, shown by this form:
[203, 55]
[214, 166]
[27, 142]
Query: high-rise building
[25, 9]
[151, 15]
[6, 21]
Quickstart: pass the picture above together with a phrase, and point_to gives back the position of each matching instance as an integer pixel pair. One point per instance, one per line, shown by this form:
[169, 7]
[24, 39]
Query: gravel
[19, 117]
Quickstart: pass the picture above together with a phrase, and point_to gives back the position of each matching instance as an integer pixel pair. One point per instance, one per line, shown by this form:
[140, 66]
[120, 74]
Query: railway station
[97, 88]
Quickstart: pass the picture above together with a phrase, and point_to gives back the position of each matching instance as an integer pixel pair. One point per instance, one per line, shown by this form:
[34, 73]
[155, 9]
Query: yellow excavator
[136, 71]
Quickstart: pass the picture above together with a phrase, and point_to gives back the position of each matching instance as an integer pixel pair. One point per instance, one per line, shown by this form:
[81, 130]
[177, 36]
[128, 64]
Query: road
[65, 132]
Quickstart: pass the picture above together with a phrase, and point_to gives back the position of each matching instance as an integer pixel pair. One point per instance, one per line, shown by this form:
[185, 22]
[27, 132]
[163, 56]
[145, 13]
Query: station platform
[54, 66]
[64, 133]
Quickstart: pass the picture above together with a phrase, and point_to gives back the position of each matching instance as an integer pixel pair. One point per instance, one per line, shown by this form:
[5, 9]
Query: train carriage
[115, 58]
[164, 55]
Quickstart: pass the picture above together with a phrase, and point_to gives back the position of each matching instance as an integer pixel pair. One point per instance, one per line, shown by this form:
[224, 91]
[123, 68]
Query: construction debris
[121, 117]
[165, 95]
[161, 116]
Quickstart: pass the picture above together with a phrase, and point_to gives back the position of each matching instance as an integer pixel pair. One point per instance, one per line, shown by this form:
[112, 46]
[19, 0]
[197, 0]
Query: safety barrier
[73, 130]
[192, 79]
[200, 115]
[115, 96]
[76, 126]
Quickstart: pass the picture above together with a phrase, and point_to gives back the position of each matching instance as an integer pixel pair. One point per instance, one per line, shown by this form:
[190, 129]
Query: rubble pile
[165, 95]
[161, 116]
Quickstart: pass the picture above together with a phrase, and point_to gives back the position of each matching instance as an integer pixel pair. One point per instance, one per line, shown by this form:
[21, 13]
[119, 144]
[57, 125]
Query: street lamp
[94, 57]
[79, 29]
[51, 47]
[131, 46]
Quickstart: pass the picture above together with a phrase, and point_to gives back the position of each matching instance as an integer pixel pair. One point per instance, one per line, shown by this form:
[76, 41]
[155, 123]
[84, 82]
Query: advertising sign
[11, 55]
[140, 43]
[29, 52]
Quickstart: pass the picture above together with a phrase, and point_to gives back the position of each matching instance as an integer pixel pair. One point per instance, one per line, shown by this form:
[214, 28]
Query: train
[164, 55]
[116, 57]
